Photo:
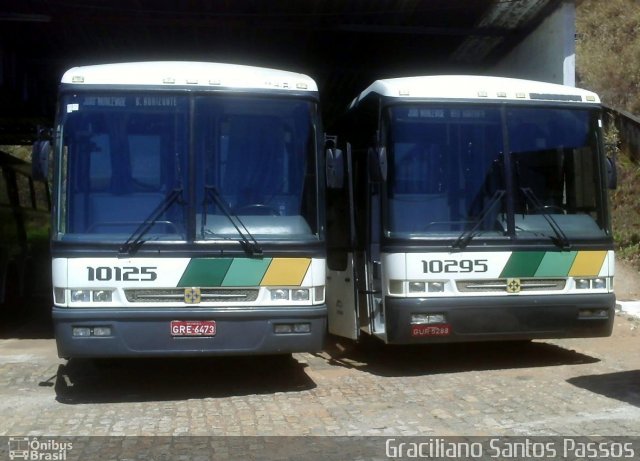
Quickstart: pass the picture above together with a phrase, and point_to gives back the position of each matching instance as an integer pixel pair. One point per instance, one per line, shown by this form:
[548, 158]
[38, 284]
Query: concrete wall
[548, 53]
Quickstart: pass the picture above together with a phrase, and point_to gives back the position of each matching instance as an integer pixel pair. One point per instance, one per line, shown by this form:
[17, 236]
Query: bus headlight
[435, 287]
[426, 287]
[280, 294]
[599, 283]
[417, 287]
[301, 294]
[582, 284]
[102, 296]
[80, 296]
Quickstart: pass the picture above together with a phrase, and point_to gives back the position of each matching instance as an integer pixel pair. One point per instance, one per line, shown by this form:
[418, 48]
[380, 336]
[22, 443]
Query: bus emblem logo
[19, 448]
[192, 296]
[513, 286]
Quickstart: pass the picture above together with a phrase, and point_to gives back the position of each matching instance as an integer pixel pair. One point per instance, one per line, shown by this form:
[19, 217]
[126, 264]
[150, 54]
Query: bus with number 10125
[472, 208]
[188, 211]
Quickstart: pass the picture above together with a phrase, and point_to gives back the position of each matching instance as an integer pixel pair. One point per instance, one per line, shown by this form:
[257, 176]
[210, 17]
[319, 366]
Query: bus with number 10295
[188, 211]
[472, 208]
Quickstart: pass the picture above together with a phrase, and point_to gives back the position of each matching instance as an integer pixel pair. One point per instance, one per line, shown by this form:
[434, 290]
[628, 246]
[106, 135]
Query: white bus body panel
[341, 302]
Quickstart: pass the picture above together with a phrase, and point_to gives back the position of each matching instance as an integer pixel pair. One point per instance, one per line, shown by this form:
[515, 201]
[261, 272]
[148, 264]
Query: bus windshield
[448, 173]
[127, 158]
[258, 155]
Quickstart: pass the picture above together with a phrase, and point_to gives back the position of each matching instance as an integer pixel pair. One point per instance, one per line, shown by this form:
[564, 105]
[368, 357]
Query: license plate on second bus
[430, 330]
[193, 328]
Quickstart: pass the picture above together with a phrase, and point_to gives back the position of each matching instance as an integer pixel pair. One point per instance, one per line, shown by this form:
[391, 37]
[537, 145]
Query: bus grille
[500, 285]
[176, 295]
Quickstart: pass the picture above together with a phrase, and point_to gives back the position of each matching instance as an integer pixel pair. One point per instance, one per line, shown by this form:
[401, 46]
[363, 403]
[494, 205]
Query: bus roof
[185, 73]
[470, 87]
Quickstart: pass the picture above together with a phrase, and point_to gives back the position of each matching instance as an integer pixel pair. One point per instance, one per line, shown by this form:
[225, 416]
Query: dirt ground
[626, 282]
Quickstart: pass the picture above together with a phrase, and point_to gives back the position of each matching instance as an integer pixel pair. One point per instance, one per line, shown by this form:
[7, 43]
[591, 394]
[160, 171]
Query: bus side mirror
[40, 160]
[378, 164]
[334, 165]
[612, 173]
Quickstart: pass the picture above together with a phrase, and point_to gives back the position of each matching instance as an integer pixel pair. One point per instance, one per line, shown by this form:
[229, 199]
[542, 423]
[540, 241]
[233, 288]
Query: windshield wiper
[134, 242]
[466, 236]
[252, 247]
[560, 240]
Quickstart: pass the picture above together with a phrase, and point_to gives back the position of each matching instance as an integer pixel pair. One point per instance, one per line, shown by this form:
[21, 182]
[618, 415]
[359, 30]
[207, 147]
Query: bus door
[342, 302]
[367, 194]
[372, 278]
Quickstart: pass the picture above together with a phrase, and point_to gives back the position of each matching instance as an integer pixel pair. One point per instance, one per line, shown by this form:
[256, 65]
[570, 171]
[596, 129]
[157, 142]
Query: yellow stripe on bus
[587, 263]
[286, 272]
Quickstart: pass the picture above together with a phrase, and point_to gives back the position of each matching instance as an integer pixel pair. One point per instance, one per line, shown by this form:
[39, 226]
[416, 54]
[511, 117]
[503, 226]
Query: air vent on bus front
[500, 285]
[176, 295]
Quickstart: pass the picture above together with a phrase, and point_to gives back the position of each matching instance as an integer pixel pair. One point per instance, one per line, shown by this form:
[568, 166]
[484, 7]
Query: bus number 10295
[436, 266]
[122, 274]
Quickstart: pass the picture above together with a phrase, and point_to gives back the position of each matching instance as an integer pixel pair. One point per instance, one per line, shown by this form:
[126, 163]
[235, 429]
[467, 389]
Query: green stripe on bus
[522, 264]
[237, 272]
[245, 272]
[556, 264]
[205, 272]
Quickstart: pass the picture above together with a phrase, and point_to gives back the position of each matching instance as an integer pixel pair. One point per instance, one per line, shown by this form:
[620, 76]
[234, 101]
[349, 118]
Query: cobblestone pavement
[564, 387]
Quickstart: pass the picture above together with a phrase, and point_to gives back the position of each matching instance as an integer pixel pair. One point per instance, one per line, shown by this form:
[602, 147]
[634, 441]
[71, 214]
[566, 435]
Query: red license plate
[430, 330]
[193, 328]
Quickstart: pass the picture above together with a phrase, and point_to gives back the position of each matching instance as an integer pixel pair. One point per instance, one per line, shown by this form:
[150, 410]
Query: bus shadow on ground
[623, 385]
[141, 380]
[417, 360]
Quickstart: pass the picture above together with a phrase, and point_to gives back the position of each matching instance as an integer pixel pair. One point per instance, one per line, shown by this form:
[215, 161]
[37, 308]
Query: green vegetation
[626, 211]
[608, 62]
[608, 51]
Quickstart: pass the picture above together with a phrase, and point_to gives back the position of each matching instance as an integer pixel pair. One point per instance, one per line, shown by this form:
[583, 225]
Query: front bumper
[501, 318]
[146, 332]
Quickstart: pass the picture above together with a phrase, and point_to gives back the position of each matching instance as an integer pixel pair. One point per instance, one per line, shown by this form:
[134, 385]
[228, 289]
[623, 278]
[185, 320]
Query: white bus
[188, 211]
[475, 208]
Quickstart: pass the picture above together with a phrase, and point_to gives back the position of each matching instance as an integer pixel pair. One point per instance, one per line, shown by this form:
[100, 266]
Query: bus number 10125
[122, 274]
